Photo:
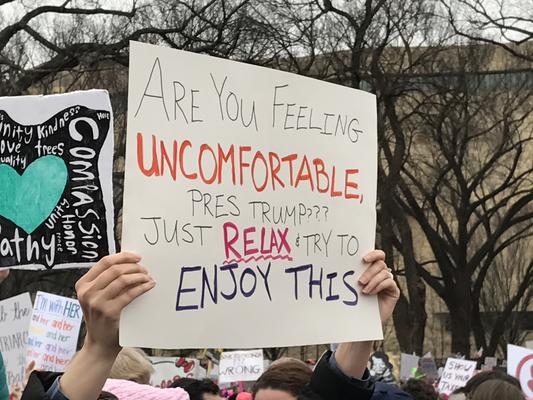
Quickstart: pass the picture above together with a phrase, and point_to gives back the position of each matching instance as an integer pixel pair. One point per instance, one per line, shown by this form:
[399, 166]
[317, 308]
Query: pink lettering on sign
[253, 244]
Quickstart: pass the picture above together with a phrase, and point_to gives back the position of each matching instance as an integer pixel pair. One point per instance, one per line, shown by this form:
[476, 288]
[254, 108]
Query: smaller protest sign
[489, 364]
[56, 163]
[53, 333]
[381, 367]
[455, 375]
[15, 314]
[408, 363]
[241, 366]
[520, 365]
[169, 369]
[529, 344]
[428, 367]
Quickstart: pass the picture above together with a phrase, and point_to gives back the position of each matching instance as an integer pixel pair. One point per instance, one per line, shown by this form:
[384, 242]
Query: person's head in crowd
[420, 390]
[203, 389]
[484, 376]
[129, 390]
[132, 365]
[497, 389]
[283, 380]
[107, 396]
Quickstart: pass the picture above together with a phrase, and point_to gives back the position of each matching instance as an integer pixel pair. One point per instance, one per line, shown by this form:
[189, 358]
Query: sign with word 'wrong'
[53, 333]
[455, 375]
[249, 193]
[15, 314]
[520, 365]
[238, 366]
[56, 201]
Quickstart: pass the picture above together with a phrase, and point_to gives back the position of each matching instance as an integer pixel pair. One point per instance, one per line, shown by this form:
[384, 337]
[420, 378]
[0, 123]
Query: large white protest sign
[15, 314]
[169, 369]
[249, 192]
[56, 201]
[456, 374]
[238, 366]
[53, 333]
[520, 365]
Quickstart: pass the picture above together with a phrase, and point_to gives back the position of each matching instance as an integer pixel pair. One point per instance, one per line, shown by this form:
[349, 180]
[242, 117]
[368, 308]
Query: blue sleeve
[55, 393]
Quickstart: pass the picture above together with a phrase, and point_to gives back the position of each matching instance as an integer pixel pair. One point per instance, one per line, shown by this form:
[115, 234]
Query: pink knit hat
[127, 390]
[244, 396]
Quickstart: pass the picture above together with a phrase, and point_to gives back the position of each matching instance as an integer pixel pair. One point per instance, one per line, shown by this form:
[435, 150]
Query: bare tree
[502, 23]
[469, 185]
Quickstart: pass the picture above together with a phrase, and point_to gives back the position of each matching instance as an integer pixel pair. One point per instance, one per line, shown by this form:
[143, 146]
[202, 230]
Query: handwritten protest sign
[248, 192]
[455, 375]
[53, 333]
[241, 366]
[520, 365]
[15, 314]
[169, 369]
[56, 208]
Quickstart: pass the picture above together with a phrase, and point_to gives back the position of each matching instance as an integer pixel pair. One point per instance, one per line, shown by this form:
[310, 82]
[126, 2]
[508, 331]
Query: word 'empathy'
[240, 165]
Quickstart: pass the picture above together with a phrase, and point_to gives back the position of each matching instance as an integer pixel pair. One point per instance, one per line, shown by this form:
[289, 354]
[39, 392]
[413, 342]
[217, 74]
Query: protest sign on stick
[455, 375]
[520, 365]
[169, 369]
[53, 333]
[249, 192]
[15, 315]
[56, 167]
[238, 366]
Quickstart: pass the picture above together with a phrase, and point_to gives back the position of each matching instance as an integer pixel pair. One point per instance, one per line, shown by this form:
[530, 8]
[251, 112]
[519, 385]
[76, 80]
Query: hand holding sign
[378, 279]
[110, 285]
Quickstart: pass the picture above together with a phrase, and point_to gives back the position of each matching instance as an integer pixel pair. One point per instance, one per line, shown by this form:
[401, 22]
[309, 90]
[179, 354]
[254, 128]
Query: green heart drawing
[28, 199]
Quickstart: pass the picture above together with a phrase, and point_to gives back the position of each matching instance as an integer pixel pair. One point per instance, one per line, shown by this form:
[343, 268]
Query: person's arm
[377, 279]
[103, 292]
[343, 374]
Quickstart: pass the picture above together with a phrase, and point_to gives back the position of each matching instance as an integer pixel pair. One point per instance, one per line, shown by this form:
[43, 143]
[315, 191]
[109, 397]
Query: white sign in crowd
[15, 315]
[238, 366]
[242, 185]
[455, 375]
[520, 365]
[169, 369]
[53, 332]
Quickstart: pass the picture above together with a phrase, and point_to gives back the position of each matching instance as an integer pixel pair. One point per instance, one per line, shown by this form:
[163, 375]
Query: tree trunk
[409, 315]
[460, 327]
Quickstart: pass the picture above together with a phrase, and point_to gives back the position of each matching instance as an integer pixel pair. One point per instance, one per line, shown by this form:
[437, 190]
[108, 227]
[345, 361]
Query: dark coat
[327, 384]
[385, 391]
[38, 383]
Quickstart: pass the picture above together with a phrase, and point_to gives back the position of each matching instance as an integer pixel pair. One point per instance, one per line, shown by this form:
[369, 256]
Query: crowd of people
[102, 370]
